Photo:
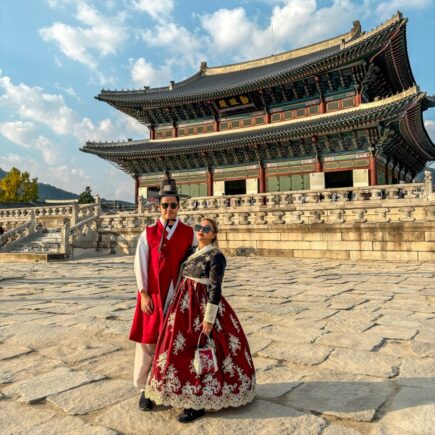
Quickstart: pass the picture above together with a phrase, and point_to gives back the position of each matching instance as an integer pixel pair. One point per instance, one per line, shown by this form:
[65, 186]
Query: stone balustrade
[14, 235]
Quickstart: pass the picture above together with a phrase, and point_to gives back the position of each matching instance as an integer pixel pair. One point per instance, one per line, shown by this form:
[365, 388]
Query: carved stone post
[97, 205]
[75, 214]
[64, 236]
[428, 186]
[140, 205]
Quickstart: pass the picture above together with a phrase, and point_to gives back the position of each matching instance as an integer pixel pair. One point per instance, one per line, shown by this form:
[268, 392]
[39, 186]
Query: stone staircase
[43, 245]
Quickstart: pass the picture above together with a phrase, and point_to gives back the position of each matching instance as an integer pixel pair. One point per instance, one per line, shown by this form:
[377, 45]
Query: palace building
[340, 113]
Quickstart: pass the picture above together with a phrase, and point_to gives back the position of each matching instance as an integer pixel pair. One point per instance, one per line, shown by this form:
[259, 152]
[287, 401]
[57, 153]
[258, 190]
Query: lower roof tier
[393, 125]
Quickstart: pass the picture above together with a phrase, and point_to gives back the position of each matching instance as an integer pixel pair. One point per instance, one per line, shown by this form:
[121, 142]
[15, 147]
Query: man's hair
[176, 197]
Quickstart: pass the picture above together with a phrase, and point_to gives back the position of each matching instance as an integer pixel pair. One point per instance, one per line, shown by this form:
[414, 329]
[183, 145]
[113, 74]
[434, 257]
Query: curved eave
[319, 62]
[389, 109]
[413, 129]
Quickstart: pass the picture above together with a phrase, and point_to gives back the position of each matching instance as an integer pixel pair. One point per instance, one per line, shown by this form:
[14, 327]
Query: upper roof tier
[209, 83]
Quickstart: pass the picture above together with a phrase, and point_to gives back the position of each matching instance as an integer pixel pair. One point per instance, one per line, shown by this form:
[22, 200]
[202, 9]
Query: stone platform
[341, 347]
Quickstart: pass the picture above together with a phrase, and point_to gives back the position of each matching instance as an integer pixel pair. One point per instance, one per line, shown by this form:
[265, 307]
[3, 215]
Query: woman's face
[205, 237]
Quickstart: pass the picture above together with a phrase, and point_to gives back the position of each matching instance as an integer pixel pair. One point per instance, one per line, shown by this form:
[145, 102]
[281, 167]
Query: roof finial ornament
[171, 85]
[203, 67]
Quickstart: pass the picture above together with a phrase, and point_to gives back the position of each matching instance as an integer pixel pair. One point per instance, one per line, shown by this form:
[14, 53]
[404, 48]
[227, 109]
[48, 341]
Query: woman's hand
[146, 303]
[206, 328]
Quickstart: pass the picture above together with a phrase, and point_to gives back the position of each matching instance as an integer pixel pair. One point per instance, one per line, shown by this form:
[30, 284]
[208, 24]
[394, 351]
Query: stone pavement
[340, 347]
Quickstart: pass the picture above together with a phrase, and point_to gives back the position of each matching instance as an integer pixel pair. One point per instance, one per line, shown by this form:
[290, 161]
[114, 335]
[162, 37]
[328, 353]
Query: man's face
[168, 207]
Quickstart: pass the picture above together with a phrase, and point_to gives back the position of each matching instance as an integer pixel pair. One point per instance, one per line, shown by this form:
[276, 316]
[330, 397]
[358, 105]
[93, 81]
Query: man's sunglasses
[166, 205]
[203, 229]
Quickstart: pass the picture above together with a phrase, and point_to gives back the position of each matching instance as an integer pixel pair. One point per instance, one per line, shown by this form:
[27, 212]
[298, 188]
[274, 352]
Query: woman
[198, 308]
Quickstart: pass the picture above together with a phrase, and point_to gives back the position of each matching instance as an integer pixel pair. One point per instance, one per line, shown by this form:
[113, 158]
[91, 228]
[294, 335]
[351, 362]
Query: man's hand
[146, 303]
[206, 328]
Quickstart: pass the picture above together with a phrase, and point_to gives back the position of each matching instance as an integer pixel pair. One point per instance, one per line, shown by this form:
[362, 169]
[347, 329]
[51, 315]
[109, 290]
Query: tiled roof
[384, 110]
[229, 80]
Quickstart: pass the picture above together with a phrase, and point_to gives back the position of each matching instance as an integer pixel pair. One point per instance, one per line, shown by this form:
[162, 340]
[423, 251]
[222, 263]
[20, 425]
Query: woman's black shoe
[189, 415]
[145, 404]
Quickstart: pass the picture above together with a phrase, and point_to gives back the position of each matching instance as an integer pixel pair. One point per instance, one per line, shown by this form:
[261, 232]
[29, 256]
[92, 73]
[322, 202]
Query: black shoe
[145, 404]
[189, 415]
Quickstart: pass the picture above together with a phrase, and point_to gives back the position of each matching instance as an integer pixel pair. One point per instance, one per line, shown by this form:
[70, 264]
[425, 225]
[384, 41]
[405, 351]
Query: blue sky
[56, 55]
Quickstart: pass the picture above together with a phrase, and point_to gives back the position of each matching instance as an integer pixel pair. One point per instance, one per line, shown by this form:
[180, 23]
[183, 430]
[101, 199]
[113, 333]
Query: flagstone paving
[340, 347]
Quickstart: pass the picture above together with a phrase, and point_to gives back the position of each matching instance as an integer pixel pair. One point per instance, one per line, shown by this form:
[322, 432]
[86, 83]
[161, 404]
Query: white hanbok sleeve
[141, 262]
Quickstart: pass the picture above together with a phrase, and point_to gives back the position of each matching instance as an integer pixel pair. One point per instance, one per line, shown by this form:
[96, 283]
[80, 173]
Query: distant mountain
[47, 191]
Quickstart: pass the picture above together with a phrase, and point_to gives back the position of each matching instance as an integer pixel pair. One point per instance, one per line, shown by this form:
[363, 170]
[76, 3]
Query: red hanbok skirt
[173, 380]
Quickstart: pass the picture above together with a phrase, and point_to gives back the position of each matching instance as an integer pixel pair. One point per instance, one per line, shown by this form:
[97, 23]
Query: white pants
[142, 363]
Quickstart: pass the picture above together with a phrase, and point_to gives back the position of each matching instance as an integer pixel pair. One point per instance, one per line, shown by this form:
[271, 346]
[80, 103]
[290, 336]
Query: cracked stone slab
[17, 418]
[10, 351]
[262, 364]
[335, 429]
[39, 387]
[259, 417]
[91, 397]
[290, 334]
[351, 340]
[393, 332]
[276, 382]
[417, 372]
[362, 362]
[356, 401]
[297, 353]
[423, 349]
[412, 412]
[71, 356]
[257, 343]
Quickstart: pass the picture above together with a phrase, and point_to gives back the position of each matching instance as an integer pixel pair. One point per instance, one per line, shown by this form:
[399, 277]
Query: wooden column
[216, 125]
[209, 182]
[174, 130]
[262, 177]
[318, 167]
[267, 118]
[136, 190]
[322, 106]
[372, 170]
[152, 133]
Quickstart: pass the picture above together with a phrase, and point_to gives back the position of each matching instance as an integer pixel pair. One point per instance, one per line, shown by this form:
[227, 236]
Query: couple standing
[179, 276]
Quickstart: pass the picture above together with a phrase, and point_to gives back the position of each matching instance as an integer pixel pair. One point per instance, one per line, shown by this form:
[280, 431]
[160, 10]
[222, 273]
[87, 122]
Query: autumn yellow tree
[17, 186]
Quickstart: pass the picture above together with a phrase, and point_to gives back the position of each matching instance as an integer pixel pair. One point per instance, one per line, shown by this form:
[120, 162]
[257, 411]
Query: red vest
[163, 268]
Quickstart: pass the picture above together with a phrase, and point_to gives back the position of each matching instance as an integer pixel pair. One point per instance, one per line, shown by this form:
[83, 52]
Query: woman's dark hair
[214, 225]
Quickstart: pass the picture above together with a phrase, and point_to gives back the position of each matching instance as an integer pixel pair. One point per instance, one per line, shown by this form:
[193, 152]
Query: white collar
[169, 231]
[202, 251]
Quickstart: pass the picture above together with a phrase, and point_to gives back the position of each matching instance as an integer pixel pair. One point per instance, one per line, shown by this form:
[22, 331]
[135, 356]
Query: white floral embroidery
[211, 385]
[248, 358]
[171, 382]
[161, 362]
[189, 390]
[221, 308]
[245, 382]
[197, 324]
[218, 325]
[234, 344]
[235, 323]
[185, 303]
[171, 320]
[228, 366]
[179, 343]
[203, 305]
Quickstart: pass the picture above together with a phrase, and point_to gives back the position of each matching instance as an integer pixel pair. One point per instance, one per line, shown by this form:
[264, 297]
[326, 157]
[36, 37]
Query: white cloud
[233, 32]
[103, 36]
[19, 132]
[24, 134]
[430, 128]
[69, 90]
[159, 10]
[387, 9]
[144, 73]
[34, 104]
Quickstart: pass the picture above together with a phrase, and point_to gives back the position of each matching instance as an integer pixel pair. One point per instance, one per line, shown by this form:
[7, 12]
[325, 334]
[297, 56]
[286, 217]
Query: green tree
[86, 196]
[18, 187]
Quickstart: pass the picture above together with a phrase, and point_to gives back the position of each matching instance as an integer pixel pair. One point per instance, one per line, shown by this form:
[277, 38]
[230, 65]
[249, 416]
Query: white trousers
[142, 363]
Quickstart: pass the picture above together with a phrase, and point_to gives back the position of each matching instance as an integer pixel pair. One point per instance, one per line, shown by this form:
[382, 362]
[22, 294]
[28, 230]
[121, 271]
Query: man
[160, 251]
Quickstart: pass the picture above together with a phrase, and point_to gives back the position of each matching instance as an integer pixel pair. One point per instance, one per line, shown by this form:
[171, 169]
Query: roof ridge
[290, 54]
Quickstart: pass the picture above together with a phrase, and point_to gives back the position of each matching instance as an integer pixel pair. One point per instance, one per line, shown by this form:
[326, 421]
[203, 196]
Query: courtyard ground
[340, 347]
